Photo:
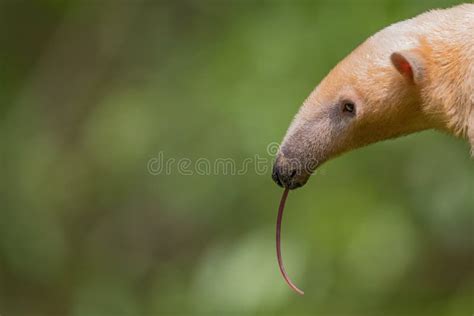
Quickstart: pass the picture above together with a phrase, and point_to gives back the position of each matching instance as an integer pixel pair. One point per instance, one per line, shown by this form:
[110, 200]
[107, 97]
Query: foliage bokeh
[92, 90]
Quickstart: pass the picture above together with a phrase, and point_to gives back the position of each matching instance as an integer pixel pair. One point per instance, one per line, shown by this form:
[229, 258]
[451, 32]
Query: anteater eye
[348, 107]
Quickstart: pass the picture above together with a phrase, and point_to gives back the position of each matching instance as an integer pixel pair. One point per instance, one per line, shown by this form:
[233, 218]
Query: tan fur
[440, 47]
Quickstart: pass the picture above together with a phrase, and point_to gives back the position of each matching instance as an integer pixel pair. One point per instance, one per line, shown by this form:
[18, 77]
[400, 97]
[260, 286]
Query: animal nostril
[276, 176]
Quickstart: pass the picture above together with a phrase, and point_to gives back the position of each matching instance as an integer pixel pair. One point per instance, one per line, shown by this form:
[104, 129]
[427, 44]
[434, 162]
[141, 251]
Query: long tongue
[278, 246]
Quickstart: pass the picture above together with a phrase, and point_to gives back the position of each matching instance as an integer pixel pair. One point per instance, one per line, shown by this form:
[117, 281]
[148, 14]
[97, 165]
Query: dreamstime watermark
[260, 165]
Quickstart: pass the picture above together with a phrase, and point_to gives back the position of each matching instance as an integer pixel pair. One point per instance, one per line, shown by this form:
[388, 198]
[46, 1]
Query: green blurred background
[90, 91]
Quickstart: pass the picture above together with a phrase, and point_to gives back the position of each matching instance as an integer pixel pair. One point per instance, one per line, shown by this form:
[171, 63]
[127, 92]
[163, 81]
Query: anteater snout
[283, 177]
[289, 173]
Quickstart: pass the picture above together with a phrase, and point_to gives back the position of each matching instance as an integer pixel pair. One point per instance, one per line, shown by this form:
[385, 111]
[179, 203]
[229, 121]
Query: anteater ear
[408, 64]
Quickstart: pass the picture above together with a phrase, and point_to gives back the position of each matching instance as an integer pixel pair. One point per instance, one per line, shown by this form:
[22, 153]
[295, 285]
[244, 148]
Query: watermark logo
[258, 164]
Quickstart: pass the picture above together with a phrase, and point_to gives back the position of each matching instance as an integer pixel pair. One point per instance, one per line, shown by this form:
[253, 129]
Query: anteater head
[371, 95]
